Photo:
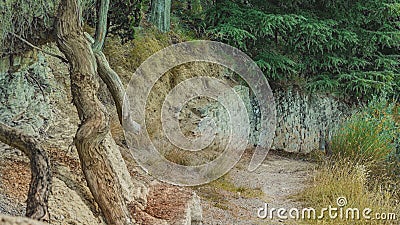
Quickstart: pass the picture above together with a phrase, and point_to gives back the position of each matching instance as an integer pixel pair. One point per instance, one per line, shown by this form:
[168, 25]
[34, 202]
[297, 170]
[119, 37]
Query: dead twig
[40, 49]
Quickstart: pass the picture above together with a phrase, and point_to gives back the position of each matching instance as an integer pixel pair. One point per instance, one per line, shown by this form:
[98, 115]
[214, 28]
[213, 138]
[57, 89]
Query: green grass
[363, 167]
[219, 191]
[224, 183]
[370, 135]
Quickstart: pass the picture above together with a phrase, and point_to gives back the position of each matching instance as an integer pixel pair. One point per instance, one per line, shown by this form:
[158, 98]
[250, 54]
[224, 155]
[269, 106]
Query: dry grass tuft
[344, 178]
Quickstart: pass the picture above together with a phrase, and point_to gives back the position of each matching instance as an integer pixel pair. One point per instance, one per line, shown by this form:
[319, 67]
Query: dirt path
[231, 200]
[236, 197]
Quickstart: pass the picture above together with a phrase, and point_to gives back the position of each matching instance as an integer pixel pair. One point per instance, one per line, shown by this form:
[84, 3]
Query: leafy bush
[369, 135]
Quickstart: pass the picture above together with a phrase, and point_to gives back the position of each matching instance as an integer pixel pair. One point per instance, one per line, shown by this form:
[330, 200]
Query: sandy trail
[236, 198]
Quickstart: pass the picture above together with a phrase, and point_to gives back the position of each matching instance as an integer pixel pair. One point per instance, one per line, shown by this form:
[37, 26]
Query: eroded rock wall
[306, 121]
[24, 91]
[35, 97]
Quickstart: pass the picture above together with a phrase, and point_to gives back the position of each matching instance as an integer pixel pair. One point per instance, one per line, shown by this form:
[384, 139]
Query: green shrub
[369, 135]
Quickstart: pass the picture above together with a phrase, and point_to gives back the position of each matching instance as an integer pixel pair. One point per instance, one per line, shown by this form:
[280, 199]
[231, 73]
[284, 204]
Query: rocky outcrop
[67, 207]
[11, 220]
[174, 205]
[24, 91]
[304, 121]
[35, 98]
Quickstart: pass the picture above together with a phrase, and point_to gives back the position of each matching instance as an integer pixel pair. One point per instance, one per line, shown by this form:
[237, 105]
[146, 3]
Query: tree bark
[90, 139]
[132, 190]
[116, 88]
[161, 14]
[113, 82]
[101, 28]
[108, 75]
[38, 195]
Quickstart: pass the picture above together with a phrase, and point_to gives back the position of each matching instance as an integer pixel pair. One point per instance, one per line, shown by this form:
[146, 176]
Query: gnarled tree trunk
[94, 133]
[37, 203]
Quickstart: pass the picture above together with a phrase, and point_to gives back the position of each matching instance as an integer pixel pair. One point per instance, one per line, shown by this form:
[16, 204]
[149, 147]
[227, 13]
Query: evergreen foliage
[351, 48]
[338, 46]
[125, 16]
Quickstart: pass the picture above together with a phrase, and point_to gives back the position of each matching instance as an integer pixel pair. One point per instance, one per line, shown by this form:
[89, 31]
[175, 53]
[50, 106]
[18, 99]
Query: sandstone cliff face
[304, 121]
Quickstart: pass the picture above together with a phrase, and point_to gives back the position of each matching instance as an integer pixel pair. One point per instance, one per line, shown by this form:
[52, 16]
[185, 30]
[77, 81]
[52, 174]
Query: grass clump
[130, 55]
[224, 183]
[219, 191]
[148, 40]
[343, 178]
[362, 168]
[178, 156]
[370, 135]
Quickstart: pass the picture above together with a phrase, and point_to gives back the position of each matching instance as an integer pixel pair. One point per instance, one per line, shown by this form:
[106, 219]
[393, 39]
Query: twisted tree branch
[38, 195]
